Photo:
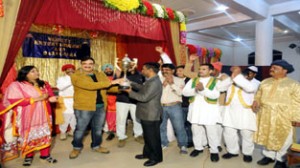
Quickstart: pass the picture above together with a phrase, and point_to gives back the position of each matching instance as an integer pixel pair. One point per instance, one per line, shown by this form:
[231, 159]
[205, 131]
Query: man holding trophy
[125, 104]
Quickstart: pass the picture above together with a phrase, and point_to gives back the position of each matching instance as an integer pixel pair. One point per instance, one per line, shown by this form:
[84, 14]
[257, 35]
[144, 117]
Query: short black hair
[171, 66]
[152, 65]
[87, 58]
[210, 66]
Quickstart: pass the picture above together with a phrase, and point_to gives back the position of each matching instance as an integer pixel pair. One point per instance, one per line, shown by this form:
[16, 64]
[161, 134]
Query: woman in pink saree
[28, 123]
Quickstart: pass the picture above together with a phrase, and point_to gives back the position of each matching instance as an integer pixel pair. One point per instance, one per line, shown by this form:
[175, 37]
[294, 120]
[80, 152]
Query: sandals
[27, 161]
[48, 159]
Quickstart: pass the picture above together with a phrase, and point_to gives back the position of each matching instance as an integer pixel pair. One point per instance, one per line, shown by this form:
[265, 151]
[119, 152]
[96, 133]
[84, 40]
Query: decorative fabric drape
[92, 15]
[168, 44]
[27, 14]
[144, 49]
[103, 50]
[7, 24]
[137, 47]
[179, 49]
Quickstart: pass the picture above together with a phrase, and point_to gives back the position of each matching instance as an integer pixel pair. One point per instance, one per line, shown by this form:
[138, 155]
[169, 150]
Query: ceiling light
[222, 8]
[299, 12]
[285, 31]
[237, 39]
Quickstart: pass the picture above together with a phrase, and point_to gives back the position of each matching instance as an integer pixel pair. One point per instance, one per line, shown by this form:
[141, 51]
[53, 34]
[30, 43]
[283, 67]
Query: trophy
[126, 64]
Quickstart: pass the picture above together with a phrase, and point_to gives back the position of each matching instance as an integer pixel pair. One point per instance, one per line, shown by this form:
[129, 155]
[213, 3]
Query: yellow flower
[182, 26]
[124, 5]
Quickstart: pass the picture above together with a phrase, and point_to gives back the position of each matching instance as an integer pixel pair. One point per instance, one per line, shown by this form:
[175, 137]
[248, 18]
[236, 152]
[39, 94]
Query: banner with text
[54, 46]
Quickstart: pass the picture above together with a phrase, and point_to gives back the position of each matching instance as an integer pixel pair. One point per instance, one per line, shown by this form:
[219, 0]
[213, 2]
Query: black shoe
[265, 161]
[27, 161]
[247, 158]
[150, 163]
[229, 155]
[214, 157]
[195, 153]
[141, 156]
[110, 136]
[220, 148]
[280, 165]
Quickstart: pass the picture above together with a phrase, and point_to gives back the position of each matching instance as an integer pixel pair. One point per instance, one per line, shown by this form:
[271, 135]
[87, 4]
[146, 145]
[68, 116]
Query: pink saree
[28, 123]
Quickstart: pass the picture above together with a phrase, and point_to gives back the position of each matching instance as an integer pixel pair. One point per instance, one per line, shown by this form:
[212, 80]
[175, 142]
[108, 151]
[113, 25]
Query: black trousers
[152, 147]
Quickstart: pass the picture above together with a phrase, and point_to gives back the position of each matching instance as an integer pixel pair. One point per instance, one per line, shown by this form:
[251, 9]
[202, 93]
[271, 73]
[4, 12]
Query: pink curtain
[27, 14]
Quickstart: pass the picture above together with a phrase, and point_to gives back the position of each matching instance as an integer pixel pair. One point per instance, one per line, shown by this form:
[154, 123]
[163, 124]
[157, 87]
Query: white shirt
[200, 111]
[165, 59]
[66, 91]
[172, 93]
[240, 96]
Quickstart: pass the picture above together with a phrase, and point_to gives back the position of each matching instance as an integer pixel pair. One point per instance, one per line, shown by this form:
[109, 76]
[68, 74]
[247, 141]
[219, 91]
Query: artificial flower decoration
[211, 52]
[192, 49]
[159, 10]
[204, 52]
[170, 13]
[182, 26]
[218, 53]
[123, 5]
[183, 37]
[1, 9]
[145, 8]
[149, 8]
[181, 16]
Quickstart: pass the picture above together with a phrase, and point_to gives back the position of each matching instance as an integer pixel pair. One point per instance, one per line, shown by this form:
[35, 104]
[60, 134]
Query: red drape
[10, 77]
[145, 32]
[144, 49]
[92, 15]
[27, 13]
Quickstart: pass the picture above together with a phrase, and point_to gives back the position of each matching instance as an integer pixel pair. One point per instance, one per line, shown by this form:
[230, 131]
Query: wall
[236, 53]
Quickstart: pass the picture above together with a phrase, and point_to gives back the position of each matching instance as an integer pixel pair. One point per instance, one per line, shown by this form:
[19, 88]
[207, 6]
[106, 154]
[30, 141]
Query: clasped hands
[45, 96]
[168, 80]
[199, 86]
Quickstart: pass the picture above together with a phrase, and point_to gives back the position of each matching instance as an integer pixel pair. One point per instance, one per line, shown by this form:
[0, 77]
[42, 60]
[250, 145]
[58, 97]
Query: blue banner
[41, 45]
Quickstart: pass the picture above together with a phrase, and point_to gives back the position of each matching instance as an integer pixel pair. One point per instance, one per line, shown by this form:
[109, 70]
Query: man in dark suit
[149, 111]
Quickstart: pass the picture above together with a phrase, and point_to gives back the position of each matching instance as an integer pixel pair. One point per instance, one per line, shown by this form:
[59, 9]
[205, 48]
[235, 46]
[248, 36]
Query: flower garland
[122, 5]
[159, 11]
[145, 8]
[170, 13]
[182, 30]
[1, 9]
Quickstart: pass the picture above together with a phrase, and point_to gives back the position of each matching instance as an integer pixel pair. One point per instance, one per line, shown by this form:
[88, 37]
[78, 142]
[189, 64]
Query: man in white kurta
[238, 115]
[204, 110]
[66, 91]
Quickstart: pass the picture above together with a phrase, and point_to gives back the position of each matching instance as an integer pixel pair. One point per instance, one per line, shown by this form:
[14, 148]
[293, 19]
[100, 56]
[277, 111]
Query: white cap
[253, 68]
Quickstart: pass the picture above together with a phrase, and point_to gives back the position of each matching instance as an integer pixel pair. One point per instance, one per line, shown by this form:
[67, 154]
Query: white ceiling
[240, 19]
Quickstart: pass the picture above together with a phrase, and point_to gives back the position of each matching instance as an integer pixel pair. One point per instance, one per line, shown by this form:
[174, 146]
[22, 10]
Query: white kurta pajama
[203, 115]
[66, 91]
[238, 115]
